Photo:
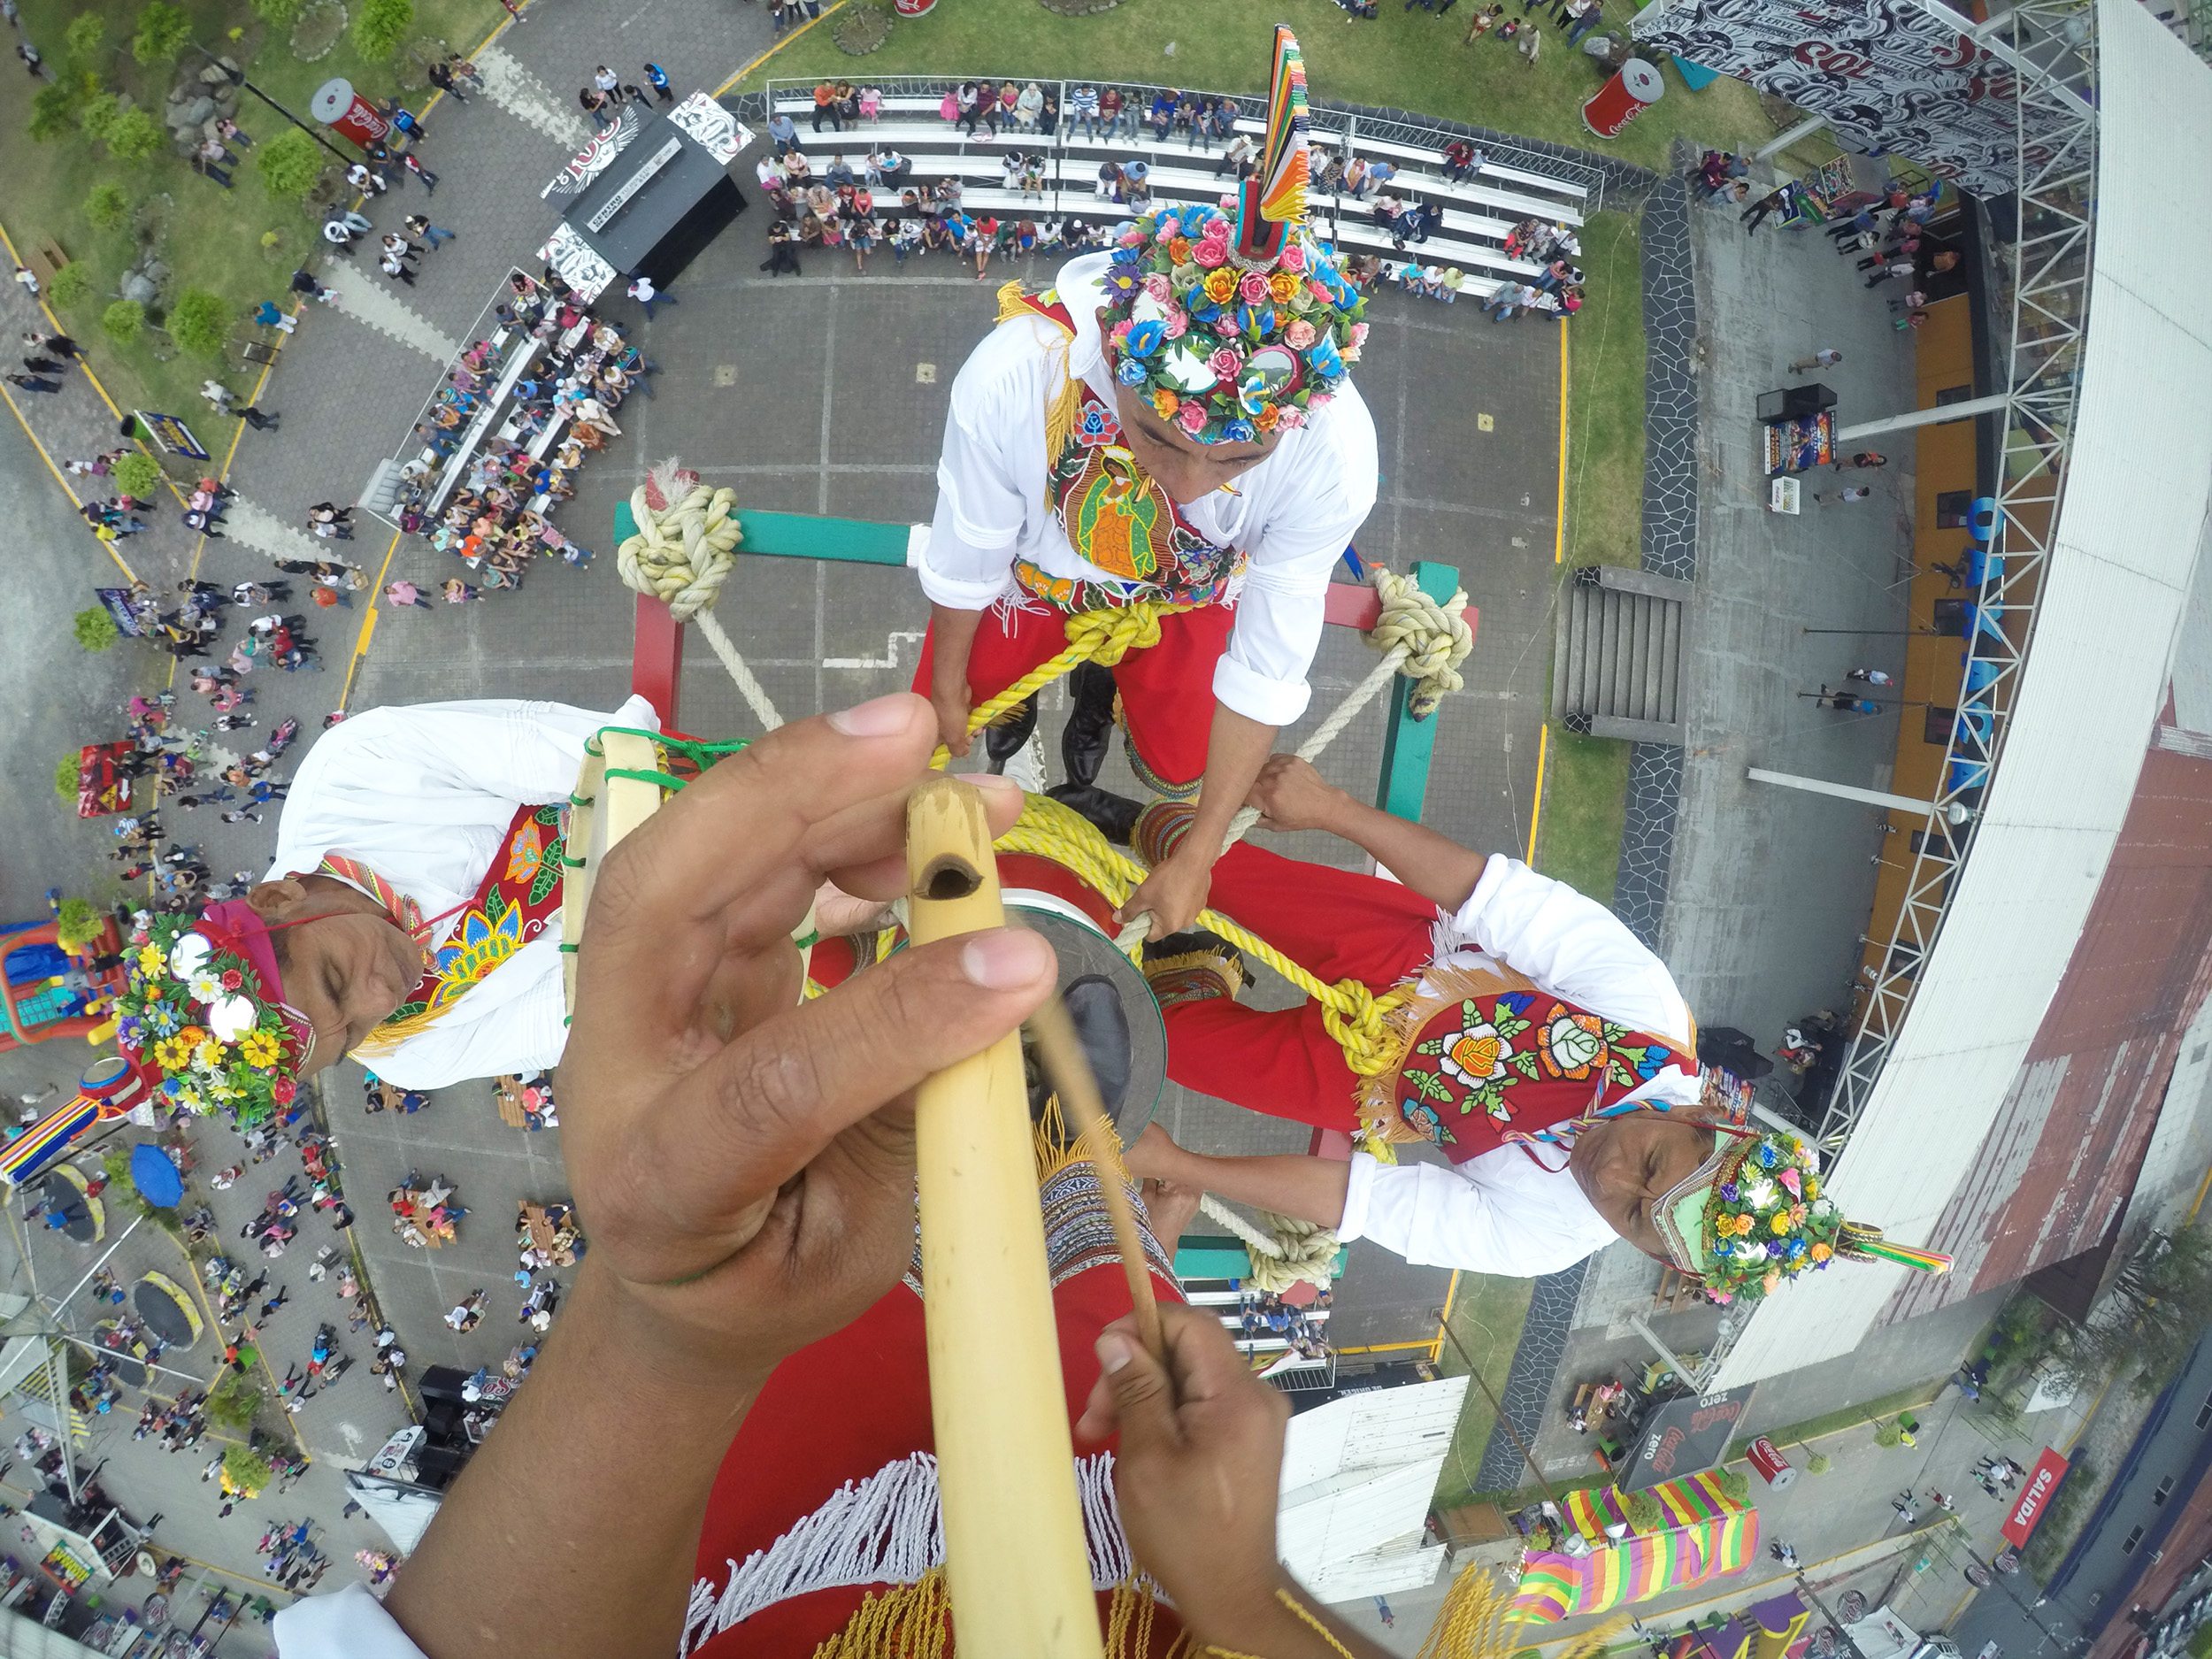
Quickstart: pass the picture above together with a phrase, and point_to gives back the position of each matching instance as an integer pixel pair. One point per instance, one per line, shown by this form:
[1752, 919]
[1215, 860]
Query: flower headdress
[1233, 328]
[1753, 1217]
[204, 1015]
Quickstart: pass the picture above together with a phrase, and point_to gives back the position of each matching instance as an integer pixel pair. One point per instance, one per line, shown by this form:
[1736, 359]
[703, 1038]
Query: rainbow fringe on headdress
[1275, 195]
[1282, 171]
[1863, 1243]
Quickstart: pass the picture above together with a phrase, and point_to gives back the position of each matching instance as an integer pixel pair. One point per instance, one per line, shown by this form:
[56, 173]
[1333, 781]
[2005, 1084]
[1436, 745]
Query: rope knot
[1359, 1024]
[686, 545]
[1436, 638]
[1105, 637]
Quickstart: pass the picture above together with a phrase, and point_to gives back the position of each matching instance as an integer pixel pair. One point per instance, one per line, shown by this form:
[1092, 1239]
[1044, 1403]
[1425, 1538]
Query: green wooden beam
[1408, 743]
[802, 535]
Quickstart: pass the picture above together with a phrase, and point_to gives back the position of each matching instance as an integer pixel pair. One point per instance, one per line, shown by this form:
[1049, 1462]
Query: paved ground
[1772, 888]
[338, 1428]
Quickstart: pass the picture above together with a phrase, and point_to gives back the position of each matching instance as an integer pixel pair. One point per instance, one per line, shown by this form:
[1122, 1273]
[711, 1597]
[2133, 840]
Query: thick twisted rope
[1287, 1252]
[1352, 1014]
[681, 554]
[1104, 637]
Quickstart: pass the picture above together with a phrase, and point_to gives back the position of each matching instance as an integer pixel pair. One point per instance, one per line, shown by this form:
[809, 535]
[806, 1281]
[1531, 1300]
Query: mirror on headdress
[1277, 370]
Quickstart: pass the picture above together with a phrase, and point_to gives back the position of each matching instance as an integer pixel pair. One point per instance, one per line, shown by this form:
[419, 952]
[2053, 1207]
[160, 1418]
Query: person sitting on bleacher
[1417, 222]
[1161, 120]
[1353, 180]
[1109, 182]
[1237, 157]
[888, 170]
[1388, 210]
[1462, 160]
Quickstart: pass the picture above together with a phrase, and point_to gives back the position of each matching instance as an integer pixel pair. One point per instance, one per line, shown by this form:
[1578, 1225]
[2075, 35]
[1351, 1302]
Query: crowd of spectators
[498, 517]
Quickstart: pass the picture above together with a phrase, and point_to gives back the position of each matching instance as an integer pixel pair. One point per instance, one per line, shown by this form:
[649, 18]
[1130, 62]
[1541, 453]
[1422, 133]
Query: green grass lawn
[210, 237]
[1585, 804]
[1486, 1317]
[1407, 61]
[1585, 779]
[1605, 399]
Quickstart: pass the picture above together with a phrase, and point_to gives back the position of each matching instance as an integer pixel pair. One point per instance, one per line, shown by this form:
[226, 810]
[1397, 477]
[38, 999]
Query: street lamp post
[238, 79]
[1843, 1633]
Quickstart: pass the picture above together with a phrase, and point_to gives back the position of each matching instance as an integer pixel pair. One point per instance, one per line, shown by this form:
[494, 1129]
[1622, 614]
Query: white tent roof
[1357, 1477]
[2129, 536]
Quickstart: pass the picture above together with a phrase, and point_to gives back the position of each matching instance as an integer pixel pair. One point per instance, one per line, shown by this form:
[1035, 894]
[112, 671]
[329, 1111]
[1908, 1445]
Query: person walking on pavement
[1857, 493]
[656, 78]
[645, 294]
[1870, 676]
[1826, 357]
[403, 593]
[436, 235]
[1902, 1504]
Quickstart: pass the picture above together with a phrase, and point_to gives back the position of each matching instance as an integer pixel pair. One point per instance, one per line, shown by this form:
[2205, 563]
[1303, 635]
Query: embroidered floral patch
[1497, 1055]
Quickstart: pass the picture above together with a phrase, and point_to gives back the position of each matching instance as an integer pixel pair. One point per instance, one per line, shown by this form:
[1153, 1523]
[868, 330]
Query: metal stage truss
[2043, 290]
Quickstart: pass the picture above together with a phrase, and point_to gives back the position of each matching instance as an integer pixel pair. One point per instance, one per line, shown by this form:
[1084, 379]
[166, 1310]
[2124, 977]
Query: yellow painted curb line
[828, 11]
[368, 624]
[1536, 807]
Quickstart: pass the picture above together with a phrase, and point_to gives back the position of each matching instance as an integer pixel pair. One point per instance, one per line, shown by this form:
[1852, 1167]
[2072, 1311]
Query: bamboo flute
[1017, 1564]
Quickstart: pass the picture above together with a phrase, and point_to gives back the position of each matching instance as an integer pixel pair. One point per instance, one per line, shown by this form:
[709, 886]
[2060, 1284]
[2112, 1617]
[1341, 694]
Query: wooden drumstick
[1016, 1561]
[1070, 1069]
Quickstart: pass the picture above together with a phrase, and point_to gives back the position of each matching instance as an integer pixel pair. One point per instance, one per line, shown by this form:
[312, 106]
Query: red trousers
[1167, 690]
[841, 1411]
[1337, 925]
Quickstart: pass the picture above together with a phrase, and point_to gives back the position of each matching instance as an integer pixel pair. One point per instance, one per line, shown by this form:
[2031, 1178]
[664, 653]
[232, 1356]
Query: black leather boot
[1115, 814]
[1090, 723]
[1001, 742]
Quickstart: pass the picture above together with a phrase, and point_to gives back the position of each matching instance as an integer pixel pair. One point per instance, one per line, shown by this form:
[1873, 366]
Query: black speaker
[1794, 403]
[1950, 617]
[441, 1382]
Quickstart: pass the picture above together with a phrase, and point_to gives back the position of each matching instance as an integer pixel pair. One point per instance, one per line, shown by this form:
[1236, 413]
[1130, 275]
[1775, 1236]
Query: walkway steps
[1616, 669]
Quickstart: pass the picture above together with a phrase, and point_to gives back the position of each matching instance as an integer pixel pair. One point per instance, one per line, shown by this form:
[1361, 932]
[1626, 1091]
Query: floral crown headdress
[1753, 1217]
[1234, 327]
[202, 1015]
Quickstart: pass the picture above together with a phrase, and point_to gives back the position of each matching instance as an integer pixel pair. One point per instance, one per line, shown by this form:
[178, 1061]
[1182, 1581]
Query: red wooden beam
[657, 658]
[1356, 605]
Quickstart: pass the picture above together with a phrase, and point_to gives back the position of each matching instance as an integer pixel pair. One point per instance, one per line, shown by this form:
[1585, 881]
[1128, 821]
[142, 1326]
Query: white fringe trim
[887, 1529]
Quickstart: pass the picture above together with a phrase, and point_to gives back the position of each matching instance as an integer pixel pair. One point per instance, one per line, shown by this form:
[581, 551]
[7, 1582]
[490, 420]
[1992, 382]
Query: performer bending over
[1543, 1049]
[1173, 423]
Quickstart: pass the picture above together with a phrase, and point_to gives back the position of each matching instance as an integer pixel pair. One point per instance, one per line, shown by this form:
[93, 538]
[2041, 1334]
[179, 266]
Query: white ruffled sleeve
[349, 1625]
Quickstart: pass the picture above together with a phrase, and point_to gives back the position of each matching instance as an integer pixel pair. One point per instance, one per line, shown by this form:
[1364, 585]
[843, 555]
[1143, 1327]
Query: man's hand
[1292, 795]
[1154, 1155]
[950, 700]
[1175, 891]
[1201, 1458]
[745, 1163]
[951, 643]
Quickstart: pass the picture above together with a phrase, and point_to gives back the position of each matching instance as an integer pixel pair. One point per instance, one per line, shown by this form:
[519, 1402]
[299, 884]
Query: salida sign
[2035, 1497]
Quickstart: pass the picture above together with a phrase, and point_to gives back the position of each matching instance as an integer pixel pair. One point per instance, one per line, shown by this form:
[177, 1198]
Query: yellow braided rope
[1104, 637]
[1352, 1014]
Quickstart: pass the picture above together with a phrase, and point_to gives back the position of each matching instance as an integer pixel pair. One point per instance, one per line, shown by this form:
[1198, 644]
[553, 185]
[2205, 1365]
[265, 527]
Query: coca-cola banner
[1886, 74]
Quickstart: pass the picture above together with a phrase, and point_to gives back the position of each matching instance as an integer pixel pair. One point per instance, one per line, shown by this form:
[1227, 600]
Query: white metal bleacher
[1477, 213]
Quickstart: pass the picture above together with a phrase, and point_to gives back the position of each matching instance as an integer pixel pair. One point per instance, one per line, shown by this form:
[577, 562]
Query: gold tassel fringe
[912, 1621]
[1476, 1623]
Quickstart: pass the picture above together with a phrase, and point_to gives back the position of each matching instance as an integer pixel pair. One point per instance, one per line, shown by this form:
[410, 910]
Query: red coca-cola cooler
[337, 105]
[1776, 1469]
[912, 8]
[1632, 90]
